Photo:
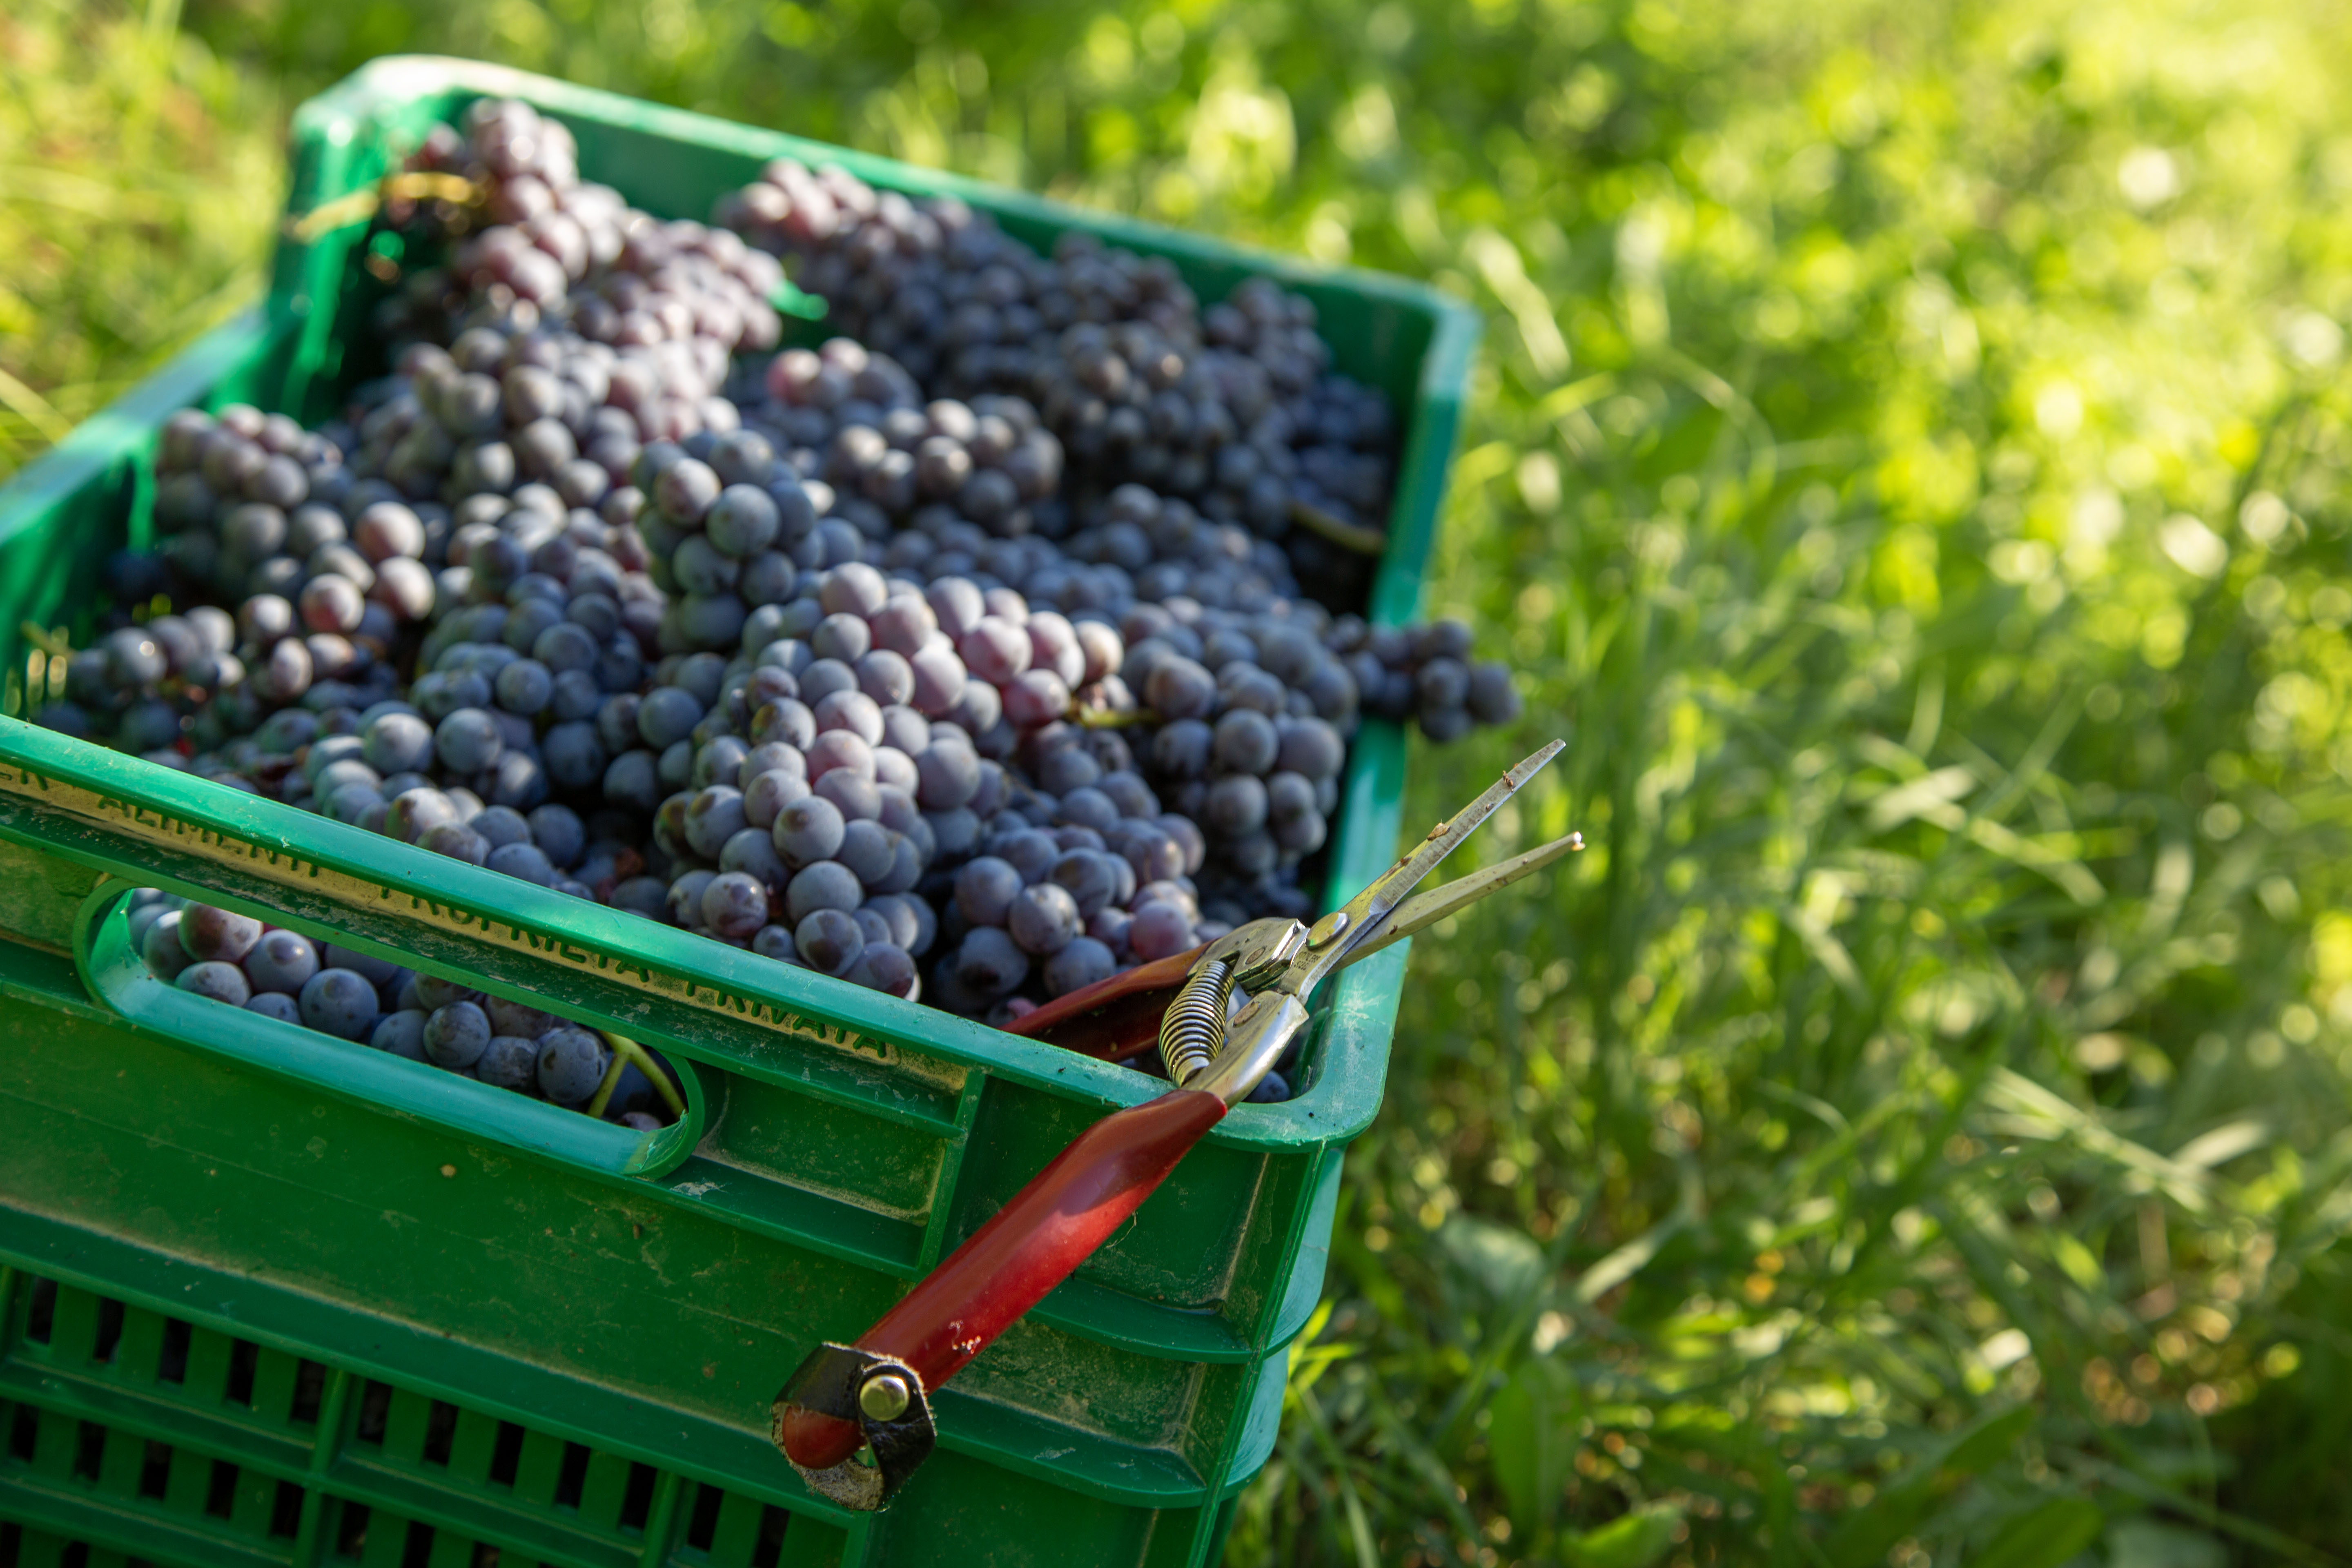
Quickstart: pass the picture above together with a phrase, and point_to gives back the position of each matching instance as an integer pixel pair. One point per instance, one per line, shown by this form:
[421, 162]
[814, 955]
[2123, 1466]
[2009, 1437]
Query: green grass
[138, 179]
[1910, 464]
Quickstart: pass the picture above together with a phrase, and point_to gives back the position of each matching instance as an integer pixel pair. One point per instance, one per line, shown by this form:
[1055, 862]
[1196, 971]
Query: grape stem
[1347, 535]
[626, 1051]
[362, 205]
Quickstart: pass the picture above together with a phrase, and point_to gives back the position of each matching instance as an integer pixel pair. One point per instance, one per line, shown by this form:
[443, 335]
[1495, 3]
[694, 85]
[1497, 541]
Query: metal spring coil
[1192, 1030]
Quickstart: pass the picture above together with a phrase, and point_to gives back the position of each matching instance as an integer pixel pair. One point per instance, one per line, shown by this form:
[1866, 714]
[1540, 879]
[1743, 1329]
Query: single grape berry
[402, 1033]
[208, 934]
[571, 1065]
[509, 1061]
[220, 980]
[884, 966]
[735, 905]
[275, 1005]
[282, 961]
[1044, 918]
[828, 941]
[456, 1036]
[341, 1002]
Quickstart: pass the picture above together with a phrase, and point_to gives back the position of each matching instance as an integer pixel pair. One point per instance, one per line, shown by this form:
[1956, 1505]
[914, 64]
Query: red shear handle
[1027, 1247]
[1111, 1019]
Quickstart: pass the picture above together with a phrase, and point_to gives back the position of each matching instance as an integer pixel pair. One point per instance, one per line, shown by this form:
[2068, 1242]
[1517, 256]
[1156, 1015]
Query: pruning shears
[875, 1393]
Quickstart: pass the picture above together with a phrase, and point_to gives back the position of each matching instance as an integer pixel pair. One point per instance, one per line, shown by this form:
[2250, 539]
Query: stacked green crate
[270, 1299]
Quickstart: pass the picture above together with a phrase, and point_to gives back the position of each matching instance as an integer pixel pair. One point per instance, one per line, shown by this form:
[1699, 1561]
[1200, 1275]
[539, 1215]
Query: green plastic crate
[267, 1298]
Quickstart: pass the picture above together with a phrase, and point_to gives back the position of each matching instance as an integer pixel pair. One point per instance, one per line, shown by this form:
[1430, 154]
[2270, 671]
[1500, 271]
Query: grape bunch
[1233, 408]
[282, 974]
[858, 421]
[140, 685]
[330, 574]
[540, 244]
[973, 655]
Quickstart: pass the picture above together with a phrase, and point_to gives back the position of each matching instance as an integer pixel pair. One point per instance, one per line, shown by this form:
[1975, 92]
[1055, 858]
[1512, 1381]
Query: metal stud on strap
[885, 1400]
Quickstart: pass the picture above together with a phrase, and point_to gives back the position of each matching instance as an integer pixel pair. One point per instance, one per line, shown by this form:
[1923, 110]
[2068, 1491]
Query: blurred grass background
[1909, 465]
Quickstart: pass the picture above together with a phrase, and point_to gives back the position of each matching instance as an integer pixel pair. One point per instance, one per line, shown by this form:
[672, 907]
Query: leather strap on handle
[1027, 1247]
[1112, 1019]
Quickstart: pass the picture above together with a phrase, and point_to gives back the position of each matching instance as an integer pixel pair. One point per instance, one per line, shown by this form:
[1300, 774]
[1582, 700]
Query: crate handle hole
[41, 1311]
[638, 1500]
[171, 1365]
[309, 1388]
[90, 1450]
[572, 1481]
[506, 1455]
[440, 1432]
[221, 1495]
[703, 1528]
[375, 1410]
[350, 1530]
[768, 1552]
[155, 1474]
[286, 1510]
[244, 1356]
[109, 1330]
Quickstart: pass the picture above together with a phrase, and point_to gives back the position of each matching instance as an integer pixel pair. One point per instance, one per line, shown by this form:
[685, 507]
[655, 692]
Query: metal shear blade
[1336, 936]
[1261, 1032]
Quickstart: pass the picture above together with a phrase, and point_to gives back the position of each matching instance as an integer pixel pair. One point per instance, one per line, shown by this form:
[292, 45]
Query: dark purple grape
[1081, 963]
[161, 947]
[501, 826]
[856, 797]
[842, 748]
[869, 849]
[275, 1005]
[402, 1033]
[457, 841]
[668, 715]
[281, 961]
[207, 934]
[825, 885]
[219, 980]
[509, 1061]
[853, 589]
[1179, 688]
[828, 941]
[940, 680]
[989, 962]
[1236, 805]
[570, 1065]
[947, 776]
[995, 649]
[524, 687]
[1492, 697]
[1159, 931]
[1088, 878]
[397, 743]
[525, 861]
[734, 905]
[985, 888]
[712, 817]
[884, 966]
[769, 792]
[808, 830]
[1442, 683]
[1044, 918]
[339, 1002]
[467, 742]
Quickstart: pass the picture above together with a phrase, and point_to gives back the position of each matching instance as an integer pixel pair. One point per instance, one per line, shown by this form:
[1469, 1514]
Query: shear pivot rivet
[1329, 927]
[884, 1397]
